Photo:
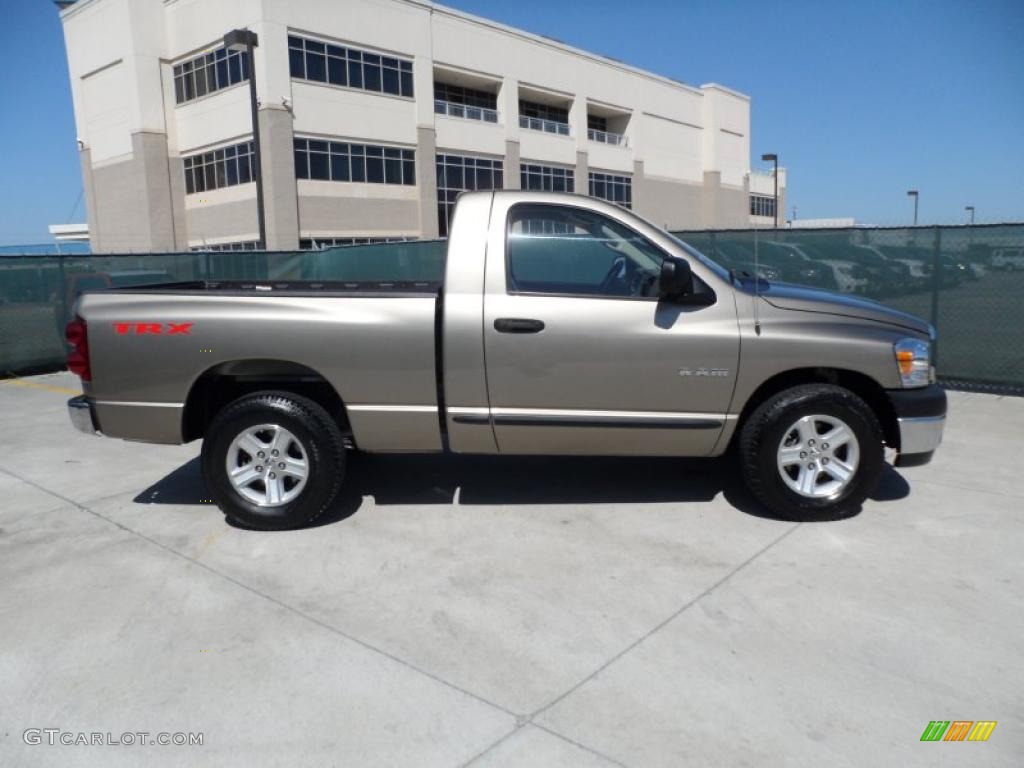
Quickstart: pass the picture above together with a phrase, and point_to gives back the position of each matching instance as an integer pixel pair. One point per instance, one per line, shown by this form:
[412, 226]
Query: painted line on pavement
[44, 387]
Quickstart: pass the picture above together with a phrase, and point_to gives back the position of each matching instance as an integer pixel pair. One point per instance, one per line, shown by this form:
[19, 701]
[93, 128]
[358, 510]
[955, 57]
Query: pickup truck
[563, 325]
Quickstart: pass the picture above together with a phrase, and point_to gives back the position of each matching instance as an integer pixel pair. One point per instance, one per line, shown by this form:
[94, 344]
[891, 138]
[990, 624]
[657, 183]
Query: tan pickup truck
[563, 326]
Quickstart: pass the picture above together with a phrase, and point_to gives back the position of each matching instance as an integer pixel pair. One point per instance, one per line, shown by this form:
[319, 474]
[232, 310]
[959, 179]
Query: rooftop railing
[465, 111]
[547, 126]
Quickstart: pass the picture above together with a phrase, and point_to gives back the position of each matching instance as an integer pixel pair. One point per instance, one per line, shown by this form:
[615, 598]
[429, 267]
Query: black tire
[310, 424]
[763, 432]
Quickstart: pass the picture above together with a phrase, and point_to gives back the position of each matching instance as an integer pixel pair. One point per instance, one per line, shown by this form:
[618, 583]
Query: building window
[349, 67]
[468, 103]
[613, 188]
[543, 111]
[471, 97]
[762, 205]
[323, 160]
[548, 178]
[210, 72]
[244, 245]
[543, 117]
[597, 130]
[224, 167]
[319, 243]
[460, 173]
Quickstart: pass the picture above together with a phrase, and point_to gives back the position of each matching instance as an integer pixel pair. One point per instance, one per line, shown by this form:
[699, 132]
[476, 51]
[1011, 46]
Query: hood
[797, 297]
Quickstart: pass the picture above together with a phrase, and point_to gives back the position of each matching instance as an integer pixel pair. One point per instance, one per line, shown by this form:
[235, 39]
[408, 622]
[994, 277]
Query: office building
[373, 116]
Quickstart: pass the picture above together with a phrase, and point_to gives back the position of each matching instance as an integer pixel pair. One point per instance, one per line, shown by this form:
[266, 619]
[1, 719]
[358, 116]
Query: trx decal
[152, 329]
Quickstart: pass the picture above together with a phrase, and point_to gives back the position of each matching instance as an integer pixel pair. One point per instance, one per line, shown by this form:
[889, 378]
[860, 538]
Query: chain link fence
[967, 281]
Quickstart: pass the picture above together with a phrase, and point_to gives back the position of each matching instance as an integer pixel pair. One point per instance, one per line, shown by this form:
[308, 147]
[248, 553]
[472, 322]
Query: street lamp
[246, 40]
[914, 194]
[970, 210]
[773, 158]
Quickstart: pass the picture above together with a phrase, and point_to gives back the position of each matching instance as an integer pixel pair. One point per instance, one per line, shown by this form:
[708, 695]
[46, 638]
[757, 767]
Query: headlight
[913, 358]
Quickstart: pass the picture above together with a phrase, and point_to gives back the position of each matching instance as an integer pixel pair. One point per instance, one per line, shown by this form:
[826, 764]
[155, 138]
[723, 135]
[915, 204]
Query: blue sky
[861, 100]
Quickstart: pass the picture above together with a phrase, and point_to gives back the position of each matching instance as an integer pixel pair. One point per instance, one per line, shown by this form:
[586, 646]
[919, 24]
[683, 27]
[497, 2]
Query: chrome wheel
[267, 465]
[818, 456]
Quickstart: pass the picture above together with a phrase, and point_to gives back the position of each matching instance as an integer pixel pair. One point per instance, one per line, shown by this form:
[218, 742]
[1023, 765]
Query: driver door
[582, 357]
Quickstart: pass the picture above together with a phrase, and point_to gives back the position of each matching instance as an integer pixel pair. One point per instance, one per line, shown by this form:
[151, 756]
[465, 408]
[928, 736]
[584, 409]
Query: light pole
[914, 194]
[970, 210]
[773, 158]
[246, 40]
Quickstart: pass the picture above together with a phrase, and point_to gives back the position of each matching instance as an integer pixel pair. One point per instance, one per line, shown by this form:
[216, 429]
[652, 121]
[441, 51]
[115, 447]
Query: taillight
[78, 357]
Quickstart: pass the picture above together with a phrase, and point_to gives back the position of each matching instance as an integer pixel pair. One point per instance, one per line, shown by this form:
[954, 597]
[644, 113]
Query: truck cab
[577, 350]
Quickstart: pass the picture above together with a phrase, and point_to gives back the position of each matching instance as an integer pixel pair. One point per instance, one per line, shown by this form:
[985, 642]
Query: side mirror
[676, 278]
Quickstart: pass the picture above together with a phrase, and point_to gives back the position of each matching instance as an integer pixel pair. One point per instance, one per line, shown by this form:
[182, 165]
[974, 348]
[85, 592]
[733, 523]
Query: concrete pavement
[518, 612]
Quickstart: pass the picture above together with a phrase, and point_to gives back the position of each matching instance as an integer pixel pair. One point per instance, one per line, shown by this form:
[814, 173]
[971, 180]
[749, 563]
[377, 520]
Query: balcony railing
[606, 137]
[466, 112]
[548, 126]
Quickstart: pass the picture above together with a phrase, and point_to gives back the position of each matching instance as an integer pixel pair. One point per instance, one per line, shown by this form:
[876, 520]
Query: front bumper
[921, 418]
[83, 415]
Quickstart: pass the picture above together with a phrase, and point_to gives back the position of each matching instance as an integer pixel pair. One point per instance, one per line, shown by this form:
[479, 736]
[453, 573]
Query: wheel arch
[226, 381]
[862, 385]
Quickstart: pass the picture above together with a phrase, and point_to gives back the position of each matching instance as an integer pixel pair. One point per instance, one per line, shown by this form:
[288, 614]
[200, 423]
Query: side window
[564, 250]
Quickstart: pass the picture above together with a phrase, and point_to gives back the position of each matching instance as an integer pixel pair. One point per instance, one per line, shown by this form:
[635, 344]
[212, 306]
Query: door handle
[518, 325]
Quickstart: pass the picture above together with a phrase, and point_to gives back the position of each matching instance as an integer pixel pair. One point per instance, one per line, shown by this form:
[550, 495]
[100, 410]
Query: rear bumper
[83, 415]
[921, 417]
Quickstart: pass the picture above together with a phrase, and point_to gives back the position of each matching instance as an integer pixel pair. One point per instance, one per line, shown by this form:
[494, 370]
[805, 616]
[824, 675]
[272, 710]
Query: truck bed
[373, 342]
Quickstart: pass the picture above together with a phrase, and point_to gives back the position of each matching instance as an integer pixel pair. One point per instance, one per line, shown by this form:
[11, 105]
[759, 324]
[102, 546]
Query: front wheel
[273, 460]
[812, 452]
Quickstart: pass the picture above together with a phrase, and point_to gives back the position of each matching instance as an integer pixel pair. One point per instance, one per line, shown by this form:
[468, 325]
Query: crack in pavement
[671, 618]
[276, 601]
[521, 720]
[522, 723]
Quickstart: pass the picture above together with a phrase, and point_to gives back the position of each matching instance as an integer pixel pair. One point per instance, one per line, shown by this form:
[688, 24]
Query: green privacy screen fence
[37, 293]
[967, 281]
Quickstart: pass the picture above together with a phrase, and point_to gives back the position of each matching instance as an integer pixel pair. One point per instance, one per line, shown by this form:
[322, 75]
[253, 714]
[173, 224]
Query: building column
[638, 188]
[426, 174]
[151, 150]
[130, 205]
[91, 217]
[508, 113]
[179, 222]
[710, 192]
[581, 176]
[175, 165]
[513, 179]
[508, 108]
[280, 194]
[578, 121]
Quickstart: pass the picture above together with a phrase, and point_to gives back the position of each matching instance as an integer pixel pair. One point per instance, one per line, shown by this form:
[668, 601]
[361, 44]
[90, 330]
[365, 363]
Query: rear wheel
[273, 460]
[813, 452]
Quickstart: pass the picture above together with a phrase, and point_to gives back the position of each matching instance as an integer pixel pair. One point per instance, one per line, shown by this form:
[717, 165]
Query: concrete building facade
[373, 116]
